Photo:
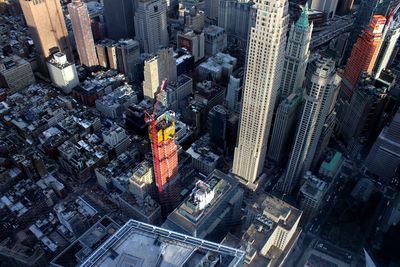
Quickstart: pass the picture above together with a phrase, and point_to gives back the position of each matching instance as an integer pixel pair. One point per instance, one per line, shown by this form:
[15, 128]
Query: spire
[302, 22]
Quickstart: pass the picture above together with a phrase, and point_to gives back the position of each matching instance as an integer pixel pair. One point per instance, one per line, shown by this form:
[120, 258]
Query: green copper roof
[302, 22]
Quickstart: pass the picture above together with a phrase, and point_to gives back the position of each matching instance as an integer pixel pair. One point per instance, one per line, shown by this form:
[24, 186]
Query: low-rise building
[210, 210]
[149, 245]
[15, 74]
[204, 159]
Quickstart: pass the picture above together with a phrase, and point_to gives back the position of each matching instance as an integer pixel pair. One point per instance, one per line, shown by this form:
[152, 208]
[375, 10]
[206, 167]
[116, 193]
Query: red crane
[152, 120]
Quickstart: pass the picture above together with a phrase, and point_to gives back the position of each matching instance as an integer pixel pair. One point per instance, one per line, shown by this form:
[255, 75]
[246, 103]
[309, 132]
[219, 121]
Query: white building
[263, 77]
[296, 55]
[321, 86]
[387, 48]
[62, 73]
[156, 69]
[151, 25]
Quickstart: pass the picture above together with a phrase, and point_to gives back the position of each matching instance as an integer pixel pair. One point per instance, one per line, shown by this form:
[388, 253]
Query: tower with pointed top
[266, 48]
[296, 55]
[83, 35]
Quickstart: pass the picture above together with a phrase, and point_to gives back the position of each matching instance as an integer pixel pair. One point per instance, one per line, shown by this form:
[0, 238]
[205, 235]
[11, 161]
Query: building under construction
[165, 155]
[165, 161]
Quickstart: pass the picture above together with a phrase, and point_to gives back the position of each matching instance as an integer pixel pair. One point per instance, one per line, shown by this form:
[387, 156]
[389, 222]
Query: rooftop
[140, 244]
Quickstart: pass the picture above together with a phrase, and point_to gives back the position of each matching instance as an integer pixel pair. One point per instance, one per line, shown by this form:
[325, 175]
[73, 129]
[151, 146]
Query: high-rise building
[392, 34]
[165, 156]
[119, 16]
[284, 128]
[46, 24]
[107, 54]
[211, 8]
[81, 27]
[193, 18]
[63, 73]
[263, 77]
[321, 86]
[127, 54]
[158, 68]
[296, 55]
[384, 158]
[365, 14]
[222, 127]
[165, 160]
[211, 210]
[327, 6]
[363, 56]
[365, 109]
[151, 25]
[234, 90]
[193, 42]
[238, 28]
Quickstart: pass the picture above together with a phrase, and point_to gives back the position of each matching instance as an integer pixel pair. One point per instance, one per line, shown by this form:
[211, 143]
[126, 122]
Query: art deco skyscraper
[80, 20]
[296, 55]
[262, 79]
[46, 24]
[151, 25]
[321, 86]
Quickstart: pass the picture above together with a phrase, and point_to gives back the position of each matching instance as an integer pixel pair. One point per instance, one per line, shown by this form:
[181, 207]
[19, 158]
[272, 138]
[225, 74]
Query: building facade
[297, 53]
[119, 16]
[151, 25]
[80, 20]
[263, 77]
[363, 56]
[46, 23]
[284, 128]
[62, 73]
[321, 86]
[158, 68]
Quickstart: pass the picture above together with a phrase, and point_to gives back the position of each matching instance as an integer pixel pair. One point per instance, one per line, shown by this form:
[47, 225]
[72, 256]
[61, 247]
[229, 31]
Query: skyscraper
[321, 85]
[262, 79]
[363, 56]
[127, 54]
[296, 55]
[151, 25]
[384, 158]
[46, 24]
[284, 128]
[83, 33]
[392, 34]
[119, 16]
[165, 160]
[156, 69]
